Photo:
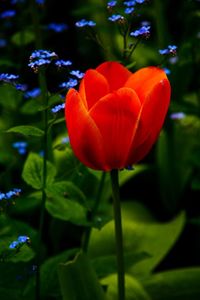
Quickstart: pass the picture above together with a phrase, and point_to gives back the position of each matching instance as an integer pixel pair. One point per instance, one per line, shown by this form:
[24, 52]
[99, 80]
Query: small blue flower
[111, 3]
[69, 84]
[65, 140]
[3, 43]
[21, 147]
[63, 63]
[57, 27]
[23, 239]
[39, 63]
[129, 3]
[33, 93]
[8, 78]
[21, 87]
[129, 10]
[116, 17]
[167, 71]
[140, 1]
[83, 23]
[171, 49]
[40, 2]
[14, 245]
[173, 59]
[45, 54]
[7, 14]
[77, 73]
[177, 115]
[58, 107]
[142, 31]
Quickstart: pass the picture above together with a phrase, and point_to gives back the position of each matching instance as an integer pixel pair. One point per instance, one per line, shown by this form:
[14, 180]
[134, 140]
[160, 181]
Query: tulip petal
[116, 117]
[152, 117]
[85, 138]
[144, 80]
[93, 87]
[115, 73]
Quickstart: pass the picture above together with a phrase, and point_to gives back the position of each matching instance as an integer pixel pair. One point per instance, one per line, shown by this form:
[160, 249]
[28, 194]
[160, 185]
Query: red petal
[84, 135]
[151, 121]
[144, 80]
[93, 87]
[116, 117]
[115, 73]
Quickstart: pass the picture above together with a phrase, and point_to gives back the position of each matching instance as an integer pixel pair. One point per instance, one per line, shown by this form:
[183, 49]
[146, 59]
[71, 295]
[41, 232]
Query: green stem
[118, 234]
[88, 231]
[44, 94]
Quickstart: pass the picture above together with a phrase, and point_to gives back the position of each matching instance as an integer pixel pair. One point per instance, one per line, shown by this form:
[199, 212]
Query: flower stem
[93, 211]
[118, 234]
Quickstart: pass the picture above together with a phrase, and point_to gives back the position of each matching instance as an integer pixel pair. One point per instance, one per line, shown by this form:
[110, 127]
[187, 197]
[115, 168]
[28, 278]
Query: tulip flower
[116, 116]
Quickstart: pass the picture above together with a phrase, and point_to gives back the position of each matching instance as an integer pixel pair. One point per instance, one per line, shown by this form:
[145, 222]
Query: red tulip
[116, 116]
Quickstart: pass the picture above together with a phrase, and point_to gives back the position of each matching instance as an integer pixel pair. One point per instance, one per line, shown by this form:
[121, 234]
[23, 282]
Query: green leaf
[134, 290]
[78, 280]
[180, 284]
[33, 171]
[141, 233]
[32, 106]
[24, 255]
[65, 202]
[49, 273]
[10, 97]
[106, 265]
[23, 38]
[27, 130]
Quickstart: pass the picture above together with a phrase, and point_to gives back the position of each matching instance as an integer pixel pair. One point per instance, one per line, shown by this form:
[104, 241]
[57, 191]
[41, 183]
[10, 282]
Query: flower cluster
[21, 147]
[84, 23]
[171, 49]
[21, 240]
[143, 31]
[69, 84]
[8, 78]
[77, 74]
[57, 27]
[41, 58]
[7, 198]
[33, 93]
[57, 108]
[7, 14]
[63, 63]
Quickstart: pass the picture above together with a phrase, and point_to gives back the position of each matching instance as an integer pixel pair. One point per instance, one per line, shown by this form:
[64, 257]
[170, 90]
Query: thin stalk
[88, 231]
[118, 234]
[44, 94]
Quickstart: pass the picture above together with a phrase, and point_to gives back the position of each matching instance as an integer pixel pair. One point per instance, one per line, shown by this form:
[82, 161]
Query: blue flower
[58, 107]
[177, 115]
[65, 140]
[63, 63]
[140, 1]
[7, 14]
[21, 147]
[171, 49]
[33, 93]
[129, 10]
[112, 3]
[9, 194]
[40, 2]
[83, 23]
[57, 27]
[77, 73]
[116, 17]
[167, 71]
[142, 31]
[3, 43]
[45, 54]
[9, 78]
[129, 3]
[23, 239]
[69, 84]
[14, 245]
[21, 87]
